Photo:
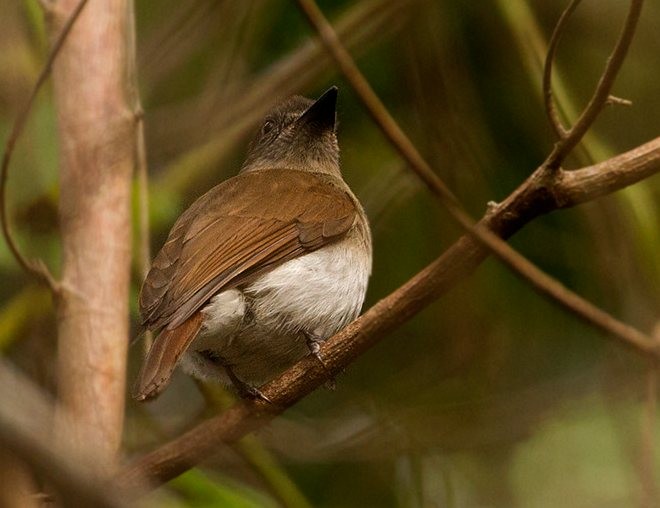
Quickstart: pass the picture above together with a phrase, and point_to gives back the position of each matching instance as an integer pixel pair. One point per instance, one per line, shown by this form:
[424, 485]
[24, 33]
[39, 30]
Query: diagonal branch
[542, 178]
[581, 185]
[599, 99]
[36, 268]
[459, 261]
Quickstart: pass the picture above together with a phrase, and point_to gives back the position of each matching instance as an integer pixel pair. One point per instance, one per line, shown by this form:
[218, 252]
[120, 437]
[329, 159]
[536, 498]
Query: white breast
[320, 292]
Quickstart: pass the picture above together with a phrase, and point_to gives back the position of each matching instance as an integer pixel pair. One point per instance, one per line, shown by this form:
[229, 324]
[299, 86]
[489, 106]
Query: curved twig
[541, 179]
[550, 109]
[34, 267]
[602, 92]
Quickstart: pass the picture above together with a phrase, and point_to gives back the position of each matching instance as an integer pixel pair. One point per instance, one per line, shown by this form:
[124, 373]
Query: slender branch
[533, 47]
[581, 185]
[141, 170]
[460, 260]
[33, 267]
[144, 247]
[542, 178]
[602, 92]
[550, 109]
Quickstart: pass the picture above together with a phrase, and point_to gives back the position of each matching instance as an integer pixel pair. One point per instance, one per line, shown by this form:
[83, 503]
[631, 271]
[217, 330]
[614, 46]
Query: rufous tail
[163, 356]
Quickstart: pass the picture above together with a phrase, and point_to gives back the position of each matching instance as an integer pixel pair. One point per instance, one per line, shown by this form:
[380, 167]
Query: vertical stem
[143, 245]
[97, 149]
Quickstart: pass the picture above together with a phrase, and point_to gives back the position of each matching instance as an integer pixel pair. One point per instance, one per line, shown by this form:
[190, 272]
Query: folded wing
[231, 235]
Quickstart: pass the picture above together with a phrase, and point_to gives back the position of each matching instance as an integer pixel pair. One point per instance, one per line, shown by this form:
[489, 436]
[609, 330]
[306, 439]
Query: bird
[265, 266]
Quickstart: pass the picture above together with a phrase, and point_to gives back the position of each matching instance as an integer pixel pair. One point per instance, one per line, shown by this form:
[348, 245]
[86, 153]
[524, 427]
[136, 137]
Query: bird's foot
[245, 390]
[314, 345]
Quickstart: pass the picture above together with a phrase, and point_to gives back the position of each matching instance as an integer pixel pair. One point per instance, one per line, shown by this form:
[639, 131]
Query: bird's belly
[319, 293]
[316, 294]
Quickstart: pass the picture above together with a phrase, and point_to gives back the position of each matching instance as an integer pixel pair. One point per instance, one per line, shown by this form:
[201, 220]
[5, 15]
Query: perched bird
[263, 267]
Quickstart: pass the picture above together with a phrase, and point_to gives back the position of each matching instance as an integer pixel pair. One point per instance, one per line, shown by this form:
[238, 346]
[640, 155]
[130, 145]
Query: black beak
[321, 116]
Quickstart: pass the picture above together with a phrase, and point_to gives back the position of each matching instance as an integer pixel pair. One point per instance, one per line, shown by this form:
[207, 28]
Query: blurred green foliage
[490, 397]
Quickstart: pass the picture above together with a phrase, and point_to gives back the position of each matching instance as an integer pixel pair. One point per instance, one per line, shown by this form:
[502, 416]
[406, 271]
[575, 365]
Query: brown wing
[232, 234]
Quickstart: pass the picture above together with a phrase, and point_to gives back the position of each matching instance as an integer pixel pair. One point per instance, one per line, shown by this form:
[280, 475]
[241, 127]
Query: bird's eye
[267, 126]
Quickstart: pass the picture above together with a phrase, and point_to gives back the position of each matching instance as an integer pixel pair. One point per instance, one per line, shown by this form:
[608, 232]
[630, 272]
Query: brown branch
[460, 260]
[602, 92]
[548, 100]
[541, 281]
[97, 132]
[34, 267]
[582, 185]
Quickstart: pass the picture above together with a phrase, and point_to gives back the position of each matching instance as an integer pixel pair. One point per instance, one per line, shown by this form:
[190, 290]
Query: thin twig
[602, 92]
[459, 261]
[533, 47]
[550, 109]
[34, 267]
[613, 100]
[144, 247]
[541, 281]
